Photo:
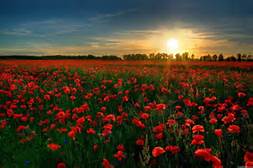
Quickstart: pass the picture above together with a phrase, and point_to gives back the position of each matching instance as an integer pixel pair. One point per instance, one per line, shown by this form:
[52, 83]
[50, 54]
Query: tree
[221, 57]
[239, 57]
[192, 57]
[185, 56]
[178, 57]
[215, 57]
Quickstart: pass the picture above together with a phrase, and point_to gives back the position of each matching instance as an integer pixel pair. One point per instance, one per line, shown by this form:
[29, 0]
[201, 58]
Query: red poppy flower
[198, 140]
[171, 122]
[138, 123]
[91, 131]
[248, 156]
[216, 162]
[198, 128]
[159, 128]
[157, 151]
[172, 149]
[144, 116]
[119, 155]
[234, 129]
[218, 132]
[61, 165]
[106, 164]
[213, 121]
[53, 146]
[139, 142]
[160, 107]
[121, 147]
[204, 153]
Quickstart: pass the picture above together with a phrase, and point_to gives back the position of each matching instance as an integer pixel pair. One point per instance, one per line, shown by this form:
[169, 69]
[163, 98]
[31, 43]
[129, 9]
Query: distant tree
[244, 57]
[192, 56]
[185, 56]
[215, 57]
[231, 58]
[207, 58]
[151, 56]
[239, 57]
[178, 57]
[110, 57]
[221, 57]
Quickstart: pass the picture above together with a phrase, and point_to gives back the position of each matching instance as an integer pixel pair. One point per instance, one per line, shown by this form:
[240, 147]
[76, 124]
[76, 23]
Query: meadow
[71, 113]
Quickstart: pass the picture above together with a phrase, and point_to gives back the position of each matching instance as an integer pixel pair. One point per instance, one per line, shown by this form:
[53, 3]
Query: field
[71, 113]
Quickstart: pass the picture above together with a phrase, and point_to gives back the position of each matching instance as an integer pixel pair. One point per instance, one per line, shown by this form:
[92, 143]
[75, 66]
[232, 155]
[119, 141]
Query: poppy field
[125, 114]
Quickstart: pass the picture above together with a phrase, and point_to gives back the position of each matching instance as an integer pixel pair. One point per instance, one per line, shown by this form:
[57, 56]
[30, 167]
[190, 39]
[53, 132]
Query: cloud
[16, 32]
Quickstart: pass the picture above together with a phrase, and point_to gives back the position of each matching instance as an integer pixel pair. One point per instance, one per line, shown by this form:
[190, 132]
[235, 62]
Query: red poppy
[248, 156]
[119, 155]
[198, 128]
[53, 146]
[91, 131]
[157, 151]
[218, 132]
[229, 118]
[198, 140]
[234, 129]
[204, 153]
[106, 164]
[213, 121]
[139, 142]
[160, 107]
[171, 122]
[216, 162]
[158, 128]
[61, 165]
[138, 123]
[172, 149]
[250, 102]
[159, 136]
[121, 147]
[144, 116]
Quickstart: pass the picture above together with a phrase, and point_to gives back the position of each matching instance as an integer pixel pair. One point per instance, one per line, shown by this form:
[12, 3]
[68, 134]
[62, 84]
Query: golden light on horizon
[172, 45]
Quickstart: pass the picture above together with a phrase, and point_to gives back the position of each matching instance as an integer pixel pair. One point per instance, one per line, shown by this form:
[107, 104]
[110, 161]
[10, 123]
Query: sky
[118, 27]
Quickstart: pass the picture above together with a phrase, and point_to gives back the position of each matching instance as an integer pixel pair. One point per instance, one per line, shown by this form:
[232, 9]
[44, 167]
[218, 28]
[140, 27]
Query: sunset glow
[173, 45]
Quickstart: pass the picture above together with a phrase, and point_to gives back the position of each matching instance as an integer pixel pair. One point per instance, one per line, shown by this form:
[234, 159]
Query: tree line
[153, 56]
[53, 57]
[188, 57]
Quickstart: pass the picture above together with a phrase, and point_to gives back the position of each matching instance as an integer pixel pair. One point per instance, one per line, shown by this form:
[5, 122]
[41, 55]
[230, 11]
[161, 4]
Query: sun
[173, 45]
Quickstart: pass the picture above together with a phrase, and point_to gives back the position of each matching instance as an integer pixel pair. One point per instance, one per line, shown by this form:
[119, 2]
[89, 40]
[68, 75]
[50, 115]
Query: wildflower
[158, 128]
[172, 149]
[61, 165]
[198, 140]
[106, 164]
[234, 129]
[157, 151]
[160, 107]
[218, 132]
[53, 146]
[91, 131]
[139, 142]
[198, 128]
[138, 123]
[119, 155]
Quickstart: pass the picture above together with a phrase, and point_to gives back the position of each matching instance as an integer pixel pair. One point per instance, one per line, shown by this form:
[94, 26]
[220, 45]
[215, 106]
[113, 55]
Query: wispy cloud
[16, 32]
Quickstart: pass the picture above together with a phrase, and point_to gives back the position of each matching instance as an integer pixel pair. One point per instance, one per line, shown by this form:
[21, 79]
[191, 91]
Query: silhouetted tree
[239, 57]
[215, 57]
[244, 57]
[192, 57]
[178, 57]
[185, 56]
[221, 57]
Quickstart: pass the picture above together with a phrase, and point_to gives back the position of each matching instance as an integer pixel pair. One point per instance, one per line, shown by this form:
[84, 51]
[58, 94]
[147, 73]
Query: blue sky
[101, 27]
